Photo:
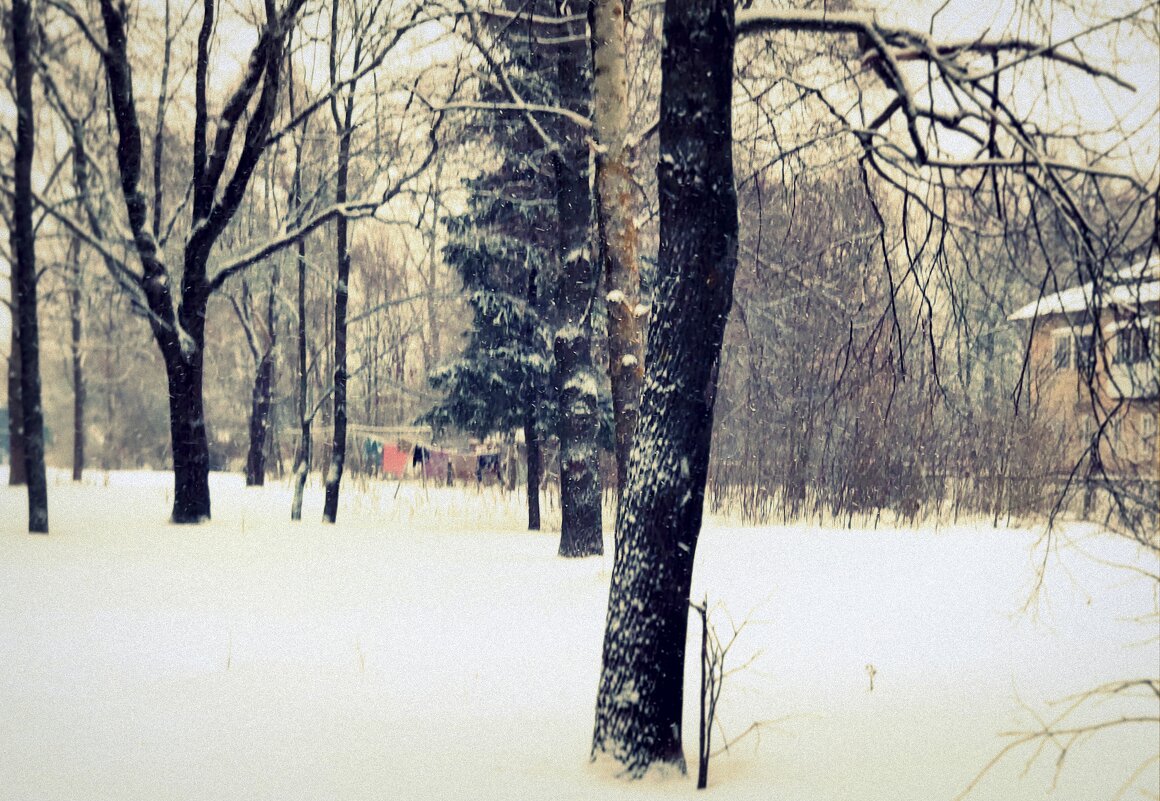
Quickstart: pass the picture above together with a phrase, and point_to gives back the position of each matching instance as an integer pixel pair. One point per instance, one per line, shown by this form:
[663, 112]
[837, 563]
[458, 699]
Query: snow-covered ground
[428, 648]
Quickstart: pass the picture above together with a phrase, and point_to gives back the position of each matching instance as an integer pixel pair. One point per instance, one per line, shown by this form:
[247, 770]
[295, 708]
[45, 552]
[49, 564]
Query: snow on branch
[528, 108]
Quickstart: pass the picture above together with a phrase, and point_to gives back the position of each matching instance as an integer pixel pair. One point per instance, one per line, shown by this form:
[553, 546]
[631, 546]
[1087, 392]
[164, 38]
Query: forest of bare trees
[760, 256]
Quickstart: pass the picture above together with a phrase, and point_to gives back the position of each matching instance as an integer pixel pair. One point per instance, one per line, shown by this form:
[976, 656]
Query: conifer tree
[502, 248]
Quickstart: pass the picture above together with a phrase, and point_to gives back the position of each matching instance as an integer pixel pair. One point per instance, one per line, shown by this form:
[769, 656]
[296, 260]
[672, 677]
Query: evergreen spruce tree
[500, 381]
[502, 248]
[523, 252]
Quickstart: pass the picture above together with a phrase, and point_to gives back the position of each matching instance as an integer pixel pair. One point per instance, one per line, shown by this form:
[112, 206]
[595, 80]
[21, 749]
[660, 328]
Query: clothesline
[393, 455]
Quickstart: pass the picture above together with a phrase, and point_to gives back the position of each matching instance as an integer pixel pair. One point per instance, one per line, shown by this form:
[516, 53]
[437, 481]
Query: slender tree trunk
[615, 213]
[345, 130]
[433, 351]
[640, 697]
[17, 476]
[303, 456]
[259, 421]
[301, 470]
[76, 351]
[532, 445]
[341, 297]
[574, 379]
[261, 397]
[24, 252]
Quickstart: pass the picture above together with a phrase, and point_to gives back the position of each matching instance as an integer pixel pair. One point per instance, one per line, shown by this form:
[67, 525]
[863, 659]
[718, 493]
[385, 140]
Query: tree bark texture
[301, 470]
[259, 421]
[616, 225]
[23, 239]
[77, 354]
[532, 445]
[262, 396]
[574, 379]
[17, 476]
[533, 411]
[640, 697]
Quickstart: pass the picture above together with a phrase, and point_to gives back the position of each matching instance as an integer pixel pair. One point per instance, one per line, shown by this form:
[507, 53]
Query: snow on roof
[1131, 286]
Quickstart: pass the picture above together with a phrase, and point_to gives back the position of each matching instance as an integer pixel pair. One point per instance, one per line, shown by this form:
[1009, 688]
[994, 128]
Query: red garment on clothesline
[394, 461]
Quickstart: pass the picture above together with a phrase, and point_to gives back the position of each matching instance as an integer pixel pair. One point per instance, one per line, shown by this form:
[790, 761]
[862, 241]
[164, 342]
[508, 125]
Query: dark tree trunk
[17, 476]
[76, 351]
[638, 708]
[532, 444]
[188, 434]
[341, 297]
[345, 130]
[574, 379]
[24, 254]
[303, 456]
[260, 400]
[259, 421]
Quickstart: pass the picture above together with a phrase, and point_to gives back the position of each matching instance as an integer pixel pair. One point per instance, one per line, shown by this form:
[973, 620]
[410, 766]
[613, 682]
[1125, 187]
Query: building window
[1085, 354]
[1131, 345]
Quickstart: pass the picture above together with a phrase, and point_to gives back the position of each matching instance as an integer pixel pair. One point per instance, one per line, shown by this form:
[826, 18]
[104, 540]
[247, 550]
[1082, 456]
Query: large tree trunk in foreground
[24, 253]
[616, 224]
[638, 708]
[574, 379]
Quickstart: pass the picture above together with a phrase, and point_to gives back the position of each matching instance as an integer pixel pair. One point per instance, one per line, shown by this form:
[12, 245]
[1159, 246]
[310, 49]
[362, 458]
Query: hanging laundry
[436, 465]
[463, 466]
[372, 450]
[394, 460]
[487, 468]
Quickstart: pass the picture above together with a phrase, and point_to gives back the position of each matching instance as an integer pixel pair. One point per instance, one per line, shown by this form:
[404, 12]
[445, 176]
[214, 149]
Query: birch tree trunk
[616, 225]
[640, 697]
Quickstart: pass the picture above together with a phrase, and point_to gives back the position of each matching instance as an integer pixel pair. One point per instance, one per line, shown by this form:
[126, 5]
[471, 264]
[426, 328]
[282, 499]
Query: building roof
[1130, 287]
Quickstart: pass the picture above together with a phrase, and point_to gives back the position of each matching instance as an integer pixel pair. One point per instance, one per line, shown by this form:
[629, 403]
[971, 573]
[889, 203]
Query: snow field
[427, 647]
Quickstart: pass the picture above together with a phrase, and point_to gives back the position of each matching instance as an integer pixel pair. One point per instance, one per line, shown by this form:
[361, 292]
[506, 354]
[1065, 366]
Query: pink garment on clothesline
[435, 468]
